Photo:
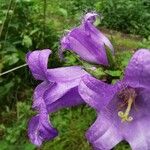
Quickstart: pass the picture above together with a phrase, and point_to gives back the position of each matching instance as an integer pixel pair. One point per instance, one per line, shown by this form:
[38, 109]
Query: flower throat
[128, 96]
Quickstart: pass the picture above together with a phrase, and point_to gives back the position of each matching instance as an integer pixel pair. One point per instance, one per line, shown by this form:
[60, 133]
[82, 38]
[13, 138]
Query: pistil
[125, 115]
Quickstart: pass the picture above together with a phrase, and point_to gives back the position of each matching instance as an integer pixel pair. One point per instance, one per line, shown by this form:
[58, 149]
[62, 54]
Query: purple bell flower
[87, 41]
[59, 89]
[123, 109]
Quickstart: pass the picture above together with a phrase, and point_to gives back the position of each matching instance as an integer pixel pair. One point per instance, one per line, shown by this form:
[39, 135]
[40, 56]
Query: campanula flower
[123, 109]
[59, 89]
[87, 41]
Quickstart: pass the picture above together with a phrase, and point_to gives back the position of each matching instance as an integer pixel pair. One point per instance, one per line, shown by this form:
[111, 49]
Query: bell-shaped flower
[87, 41]
[123, 109]
[59, 89]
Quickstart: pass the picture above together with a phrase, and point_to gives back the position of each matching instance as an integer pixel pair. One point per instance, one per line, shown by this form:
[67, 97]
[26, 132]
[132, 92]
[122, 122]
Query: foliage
[8, 131]
[124, 15]
[21, 31]
[145, 43]
[74, 123]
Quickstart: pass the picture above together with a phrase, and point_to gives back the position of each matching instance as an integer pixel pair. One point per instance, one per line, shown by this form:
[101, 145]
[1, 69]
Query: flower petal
[90, 17]
[137, 73]
[98, 36]
[87, 41]
[71, 98]
[95, 92]
[37, 62]
[81, 43]
[64, 79]
[65, 73]
[138, 135]
[137, 132]
[40, 129]
[38, 95]
[58, 90]
[101, 131]
[108, 124]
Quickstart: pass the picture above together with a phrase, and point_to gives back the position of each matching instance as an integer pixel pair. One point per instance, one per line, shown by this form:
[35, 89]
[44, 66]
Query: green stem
[2, 27]
[11, 70]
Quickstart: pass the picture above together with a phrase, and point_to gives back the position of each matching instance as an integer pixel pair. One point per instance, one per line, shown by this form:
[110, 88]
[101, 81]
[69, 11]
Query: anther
[125, 115]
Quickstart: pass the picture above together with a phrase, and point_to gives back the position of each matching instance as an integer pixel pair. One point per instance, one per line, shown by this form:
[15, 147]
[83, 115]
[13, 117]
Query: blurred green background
[37, 24]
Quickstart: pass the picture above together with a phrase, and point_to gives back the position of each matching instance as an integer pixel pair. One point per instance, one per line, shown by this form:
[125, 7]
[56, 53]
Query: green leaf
[96, 72]
[113, 73]
[63, 12]
[29, 146]
[34, 31]
[97, 22]
[110, 57]
[4, 89]
[27, 41]
[11, 59]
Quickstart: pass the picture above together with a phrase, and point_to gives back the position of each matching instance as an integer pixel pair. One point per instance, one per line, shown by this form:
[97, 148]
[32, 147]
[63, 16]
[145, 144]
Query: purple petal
[137, 73]
[65, 73]
[137, 132]
[37, 62]
[87, 41]
[81, 43]
[38, 102]
[58, 90]
[106, 132]
[64, 79]
[98, 36]
[90, 17]
[71, 98]
[103, 134]
[95, 92]
[60, 87]
[40, 129]
[138, 135]
[109, 126]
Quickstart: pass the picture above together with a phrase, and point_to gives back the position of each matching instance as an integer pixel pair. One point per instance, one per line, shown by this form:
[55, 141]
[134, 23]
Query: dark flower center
[127, 96]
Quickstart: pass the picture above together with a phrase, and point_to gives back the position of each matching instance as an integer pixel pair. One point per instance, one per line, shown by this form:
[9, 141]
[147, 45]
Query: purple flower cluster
[122, 109]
